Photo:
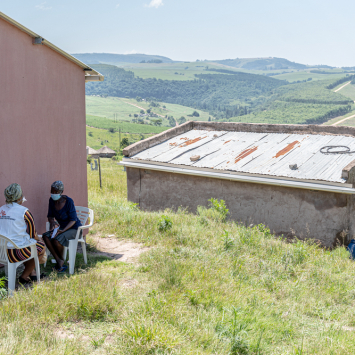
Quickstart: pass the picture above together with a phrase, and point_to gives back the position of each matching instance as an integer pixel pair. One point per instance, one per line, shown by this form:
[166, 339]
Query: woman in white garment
[17, 224]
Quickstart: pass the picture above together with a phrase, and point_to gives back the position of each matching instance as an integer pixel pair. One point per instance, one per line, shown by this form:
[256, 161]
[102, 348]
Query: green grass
[348, 91]
[280, 112]
[107, 107]
[105, 123]
[97, 138]
[204, 287]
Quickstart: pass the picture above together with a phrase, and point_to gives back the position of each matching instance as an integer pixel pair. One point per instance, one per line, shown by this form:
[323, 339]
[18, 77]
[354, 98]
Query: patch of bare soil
[121, 250]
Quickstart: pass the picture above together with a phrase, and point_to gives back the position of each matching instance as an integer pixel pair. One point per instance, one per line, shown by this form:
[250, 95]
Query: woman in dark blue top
[61, 210]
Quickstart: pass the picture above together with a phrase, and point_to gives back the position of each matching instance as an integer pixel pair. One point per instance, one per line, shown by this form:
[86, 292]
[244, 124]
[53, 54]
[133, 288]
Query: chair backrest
[3, 247]
[84, 213]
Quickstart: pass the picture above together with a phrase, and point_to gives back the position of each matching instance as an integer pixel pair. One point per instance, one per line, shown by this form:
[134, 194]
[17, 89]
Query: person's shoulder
[69, 200]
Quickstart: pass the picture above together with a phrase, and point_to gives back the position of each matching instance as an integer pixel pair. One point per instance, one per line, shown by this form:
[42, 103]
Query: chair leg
[11, 278]
[83, 247]
[73, 245]
[65, 251]
[38, 269]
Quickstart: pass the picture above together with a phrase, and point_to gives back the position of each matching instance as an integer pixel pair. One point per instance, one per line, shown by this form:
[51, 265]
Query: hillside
[111, 58]
[221, 94]
[203, 287]
[271, 63]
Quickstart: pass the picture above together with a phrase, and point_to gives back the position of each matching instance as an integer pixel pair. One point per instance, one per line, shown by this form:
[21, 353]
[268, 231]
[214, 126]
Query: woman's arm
[52, 223]
[31, 229]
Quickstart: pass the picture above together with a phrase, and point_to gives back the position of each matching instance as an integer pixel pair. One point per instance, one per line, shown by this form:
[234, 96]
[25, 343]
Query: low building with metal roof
[296, 179]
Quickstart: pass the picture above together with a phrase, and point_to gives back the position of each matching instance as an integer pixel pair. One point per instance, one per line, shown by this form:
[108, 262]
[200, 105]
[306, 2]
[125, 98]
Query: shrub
[124, 142]
[111, 130]
[90, 134]
[89, 159]
[165, 223]
[195, 114]
[219, 206]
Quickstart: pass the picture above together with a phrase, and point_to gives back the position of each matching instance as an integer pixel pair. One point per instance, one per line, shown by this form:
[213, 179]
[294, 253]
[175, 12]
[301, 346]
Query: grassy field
[204, 287]
[109, 106]
[97, 138]
[348, 91]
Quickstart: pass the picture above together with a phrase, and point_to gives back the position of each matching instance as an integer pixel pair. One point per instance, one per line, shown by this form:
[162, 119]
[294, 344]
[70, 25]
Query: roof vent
[293, 166]
[38, 40]
[195, 158]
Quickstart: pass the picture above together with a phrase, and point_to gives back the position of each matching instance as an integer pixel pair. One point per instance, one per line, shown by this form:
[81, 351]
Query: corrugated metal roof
[256, 153]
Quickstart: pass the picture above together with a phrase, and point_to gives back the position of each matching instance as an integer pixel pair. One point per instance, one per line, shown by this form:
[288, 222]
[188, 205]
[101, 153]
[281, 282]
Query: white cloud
[118, 5]
[155, 3]
[43, 6]
[131, 52]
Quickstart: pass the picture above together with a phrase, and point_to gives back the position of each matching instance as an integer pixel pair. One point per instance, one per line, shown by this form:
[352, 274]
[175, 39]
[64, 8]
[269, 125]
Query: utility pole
[100, 172]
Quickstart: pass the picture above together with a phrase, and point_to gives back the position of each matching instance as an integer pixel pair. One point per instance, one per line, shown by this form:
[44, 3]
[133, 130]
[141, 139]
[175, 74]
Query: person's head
[13, 193]
[57, 189]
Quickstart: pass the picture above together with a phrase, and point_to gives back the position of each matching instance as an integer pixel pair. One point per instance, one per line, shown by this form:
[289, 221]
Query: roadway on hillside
[142, 108]
[344, 119]
[342, 86]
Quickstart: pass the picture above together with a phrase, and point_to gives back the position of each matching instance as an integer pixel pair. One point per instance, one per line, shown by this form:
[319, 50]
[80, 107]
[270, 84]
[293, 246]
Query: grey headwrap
[58, 185]
[13, 193]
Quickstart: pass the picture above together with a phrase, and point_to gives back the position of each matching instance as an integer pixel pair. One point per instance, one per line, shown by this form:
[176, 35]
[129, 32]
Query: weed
[220, 207]
[165, 223]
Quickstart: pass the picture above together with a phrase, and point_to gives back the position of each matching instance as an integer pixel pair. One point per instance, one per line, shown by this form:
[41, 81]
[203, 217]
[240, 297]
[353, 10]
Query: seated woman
[17, 224]
[61, 209]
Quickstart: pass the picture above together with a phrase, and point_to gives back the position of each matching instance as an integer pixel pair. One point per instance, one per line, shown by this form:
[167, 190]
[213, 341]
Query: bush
[195, 114]
[90, 134]
[219, 206]
[111, 130]
[164, 223]
[124, 143]
[89, 159]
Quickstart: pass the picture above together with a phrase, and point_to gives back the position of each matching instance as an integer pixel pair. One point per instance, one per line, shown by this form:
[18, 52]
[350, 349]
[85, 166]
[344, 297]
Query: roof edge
[244, 178]
[137, 147]
[236, 127]
[88, 70]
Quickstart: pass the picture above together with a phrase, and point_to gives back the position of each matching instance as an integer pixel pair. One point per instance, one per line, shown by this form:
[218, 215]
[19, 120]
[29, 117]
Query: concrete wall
[304, 213]
[42, 122]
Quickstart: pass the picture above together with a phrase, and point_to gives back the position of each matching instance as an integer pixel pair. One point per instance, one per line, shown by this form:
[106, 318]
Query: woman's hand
[58, 232]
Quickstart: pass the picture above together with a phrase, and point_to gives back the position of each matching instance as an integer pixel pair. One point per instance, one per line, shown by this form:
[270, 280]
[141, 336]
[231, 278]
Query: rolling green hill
[261, 63]
[223, 95]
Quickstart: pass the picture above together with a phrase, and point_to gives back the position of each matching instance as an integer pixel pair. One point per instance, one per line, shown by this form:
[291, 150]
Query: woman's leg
[29, 267]
[56, 250]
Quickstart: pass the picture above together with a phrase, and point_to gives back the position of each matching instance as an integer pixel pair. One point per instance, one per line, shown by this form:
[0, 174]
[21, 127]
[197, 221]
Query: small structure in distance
[106, 152]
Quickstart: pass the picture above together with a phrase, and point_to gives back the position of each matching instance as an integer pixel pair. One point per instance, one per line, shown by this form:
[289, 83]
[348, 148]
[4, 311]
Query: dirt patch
[129, 283]
[113, 248]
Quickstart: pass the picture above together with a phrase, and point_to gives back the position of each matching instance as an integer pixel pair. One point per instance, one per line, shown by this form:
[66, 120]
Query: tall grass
[206, 286]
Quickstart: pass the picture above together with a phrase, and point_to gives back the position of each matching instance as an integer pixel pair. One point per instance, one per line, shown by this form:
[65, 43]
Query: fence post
[100, 172]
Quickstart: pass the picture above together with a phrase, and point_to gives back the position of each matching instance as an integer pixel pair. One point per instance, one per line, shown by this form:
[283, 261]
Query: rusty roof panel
[255, 153]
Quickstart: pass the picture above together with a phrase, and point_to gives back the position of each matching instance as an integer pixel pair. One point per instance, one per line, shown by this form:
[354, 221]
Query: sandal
[61, 270]
[42, 276]
[22, 281]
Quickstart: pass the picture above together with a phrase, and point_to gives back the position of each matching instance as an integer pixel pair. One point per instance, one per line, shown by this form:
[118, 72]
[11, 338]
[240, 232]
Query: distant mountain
[110, 58]
[261, 63]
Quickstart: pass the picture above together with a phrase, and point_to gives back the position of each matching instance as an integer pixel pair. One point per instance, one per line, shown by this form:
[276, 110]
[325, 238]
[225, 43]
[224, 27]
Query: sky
[303, 31]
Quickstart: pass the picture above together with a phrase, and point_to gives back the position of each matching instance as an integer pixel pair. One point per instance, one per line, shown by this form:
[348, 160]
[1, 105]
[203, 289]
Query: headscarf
[13, 193]
[58, 185]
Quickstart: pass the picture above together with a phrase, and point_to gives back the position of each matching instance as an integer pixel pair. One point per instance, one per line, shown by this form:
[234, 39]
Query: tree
[148, 111]
[172, 122]
[157, 122]
[182, 120]
[111, 130]
[90, 134]
[142, 112]
[195, 114]
[209, 119]
[135, 115]
[124, 143]
[138, 98]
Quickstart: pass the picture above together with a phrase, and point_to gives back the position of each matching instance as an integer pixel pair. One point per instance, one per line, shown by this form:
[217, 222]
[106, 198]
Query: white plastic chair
[83, 214]
[10, 268]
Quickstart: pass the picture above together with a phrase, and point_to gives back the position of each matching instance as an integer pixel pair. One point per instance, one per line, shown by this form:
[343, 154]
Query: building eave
[90, 74]
[299, 184]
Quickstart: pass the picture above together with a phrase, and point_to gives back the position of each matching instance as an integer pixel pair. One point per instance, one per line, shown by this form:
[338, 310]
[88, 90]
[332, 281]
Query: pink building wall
[42, 122]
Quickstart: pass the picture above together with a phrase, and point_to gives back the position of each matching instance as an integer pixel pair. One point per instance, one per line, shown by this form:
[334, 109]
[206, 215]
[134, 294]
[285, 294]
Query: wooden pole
[100, 172]
[119, 136]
